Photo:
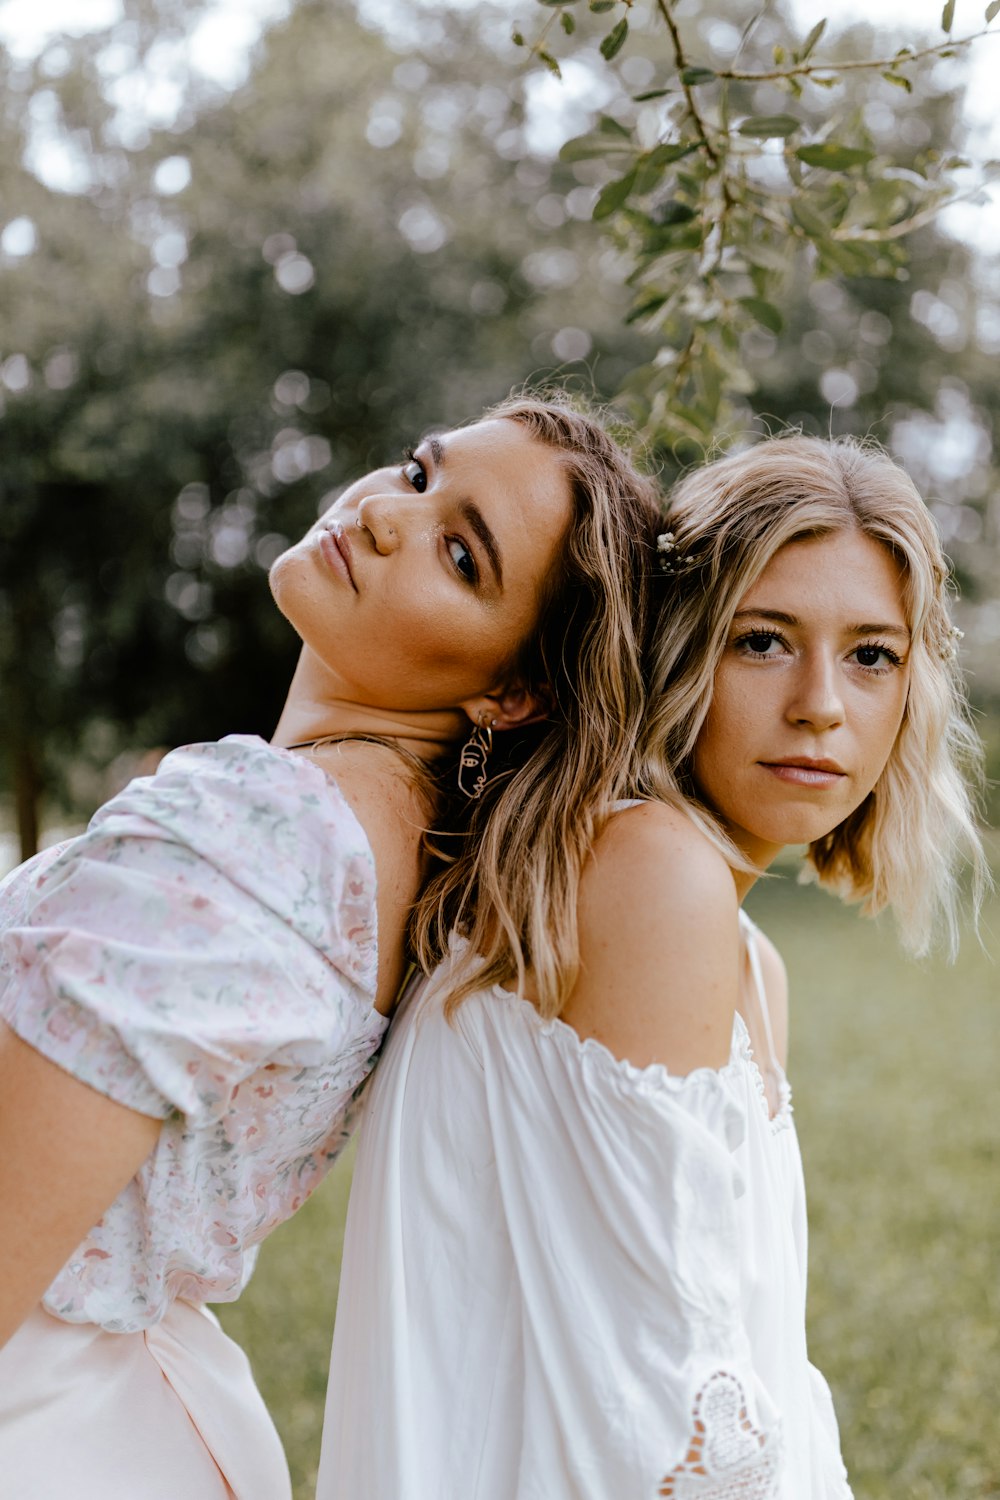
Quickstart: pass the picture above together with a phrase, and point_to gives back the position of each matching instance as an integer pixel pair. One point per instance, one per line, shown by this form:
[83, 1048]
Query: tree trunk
[27, 792]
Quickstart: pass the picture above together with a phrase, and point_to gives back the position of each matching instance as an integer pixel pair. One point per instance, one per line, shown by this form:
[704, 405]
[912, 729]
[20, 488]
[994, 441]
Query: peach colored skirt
[171, 1413]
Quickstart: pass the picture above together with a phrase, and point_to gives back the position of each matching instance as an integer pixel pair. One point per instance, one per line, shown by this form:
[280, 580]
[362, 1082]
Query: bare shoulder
[391, 812]
[775, 977]
[384, 803]
[659, 942]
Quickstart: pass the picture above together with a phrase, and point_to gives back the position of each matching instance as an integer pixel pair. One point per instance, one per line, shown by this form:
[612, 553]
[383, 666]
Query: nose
[816, 701]
[381, 517]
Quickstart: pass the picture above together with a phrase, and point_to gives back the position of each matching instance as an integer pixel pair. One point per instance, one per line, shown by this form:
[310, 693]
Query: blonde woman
[192, 992]
[576, 1249]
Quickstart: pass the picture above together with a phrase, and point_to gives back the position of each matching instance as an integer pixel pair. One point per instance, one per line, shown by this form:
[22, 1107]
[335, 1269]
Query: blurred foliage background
[220, 301]
[219, 304]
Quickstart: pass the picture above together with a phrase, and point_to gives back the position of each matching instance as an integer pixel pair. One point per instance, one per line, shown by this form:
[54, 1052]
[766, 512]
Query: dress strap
[410, 756]
[750, 934]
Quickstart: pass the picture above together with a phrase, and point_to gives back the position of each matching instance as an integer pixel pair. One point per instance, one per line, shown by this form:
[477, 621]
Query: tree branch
[805, 70]
[681, 64]
[905, 226]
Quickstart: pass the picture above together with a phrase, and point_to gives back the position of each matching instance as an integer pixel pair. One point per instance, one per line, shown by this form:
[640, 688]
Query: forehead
[519, 480]
[844, 574]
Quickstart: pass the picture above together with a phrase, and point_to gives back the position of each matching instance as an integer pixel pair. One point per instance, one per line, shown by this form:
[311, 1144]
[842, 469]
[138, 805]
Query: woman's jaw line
[319, 706]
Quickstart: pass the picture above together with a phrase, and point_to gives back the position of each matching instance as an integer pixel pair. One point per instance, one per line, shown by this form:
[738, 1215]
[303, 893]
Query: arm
[659, 943]
[66, 1152]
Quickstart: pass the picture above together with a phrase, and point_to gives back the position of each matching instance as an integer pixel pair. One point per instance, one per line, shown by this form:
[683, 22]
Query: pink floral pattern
[205, 953]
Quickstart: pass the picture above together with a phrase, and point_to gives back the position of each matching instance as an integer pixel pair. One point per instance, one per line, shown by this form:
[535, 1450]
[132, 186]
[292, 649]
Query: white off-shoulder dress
[204, 953]
[567, 1278]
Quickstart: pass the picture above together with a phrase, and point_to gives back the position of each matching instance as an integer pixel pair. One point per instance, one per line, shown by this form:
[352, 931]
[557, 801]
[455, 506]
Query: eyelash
[870, 671]
[409, 460]
[412, 461]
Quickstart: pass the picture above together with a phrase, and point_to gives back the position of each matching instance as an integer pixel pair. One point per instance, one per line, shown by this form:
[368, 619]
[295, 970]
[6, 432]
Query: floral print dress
[204, 953]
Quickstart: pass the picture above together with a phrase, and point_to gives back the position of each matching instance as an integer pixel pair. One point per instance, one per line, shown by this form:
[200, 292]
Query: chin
[293, 585]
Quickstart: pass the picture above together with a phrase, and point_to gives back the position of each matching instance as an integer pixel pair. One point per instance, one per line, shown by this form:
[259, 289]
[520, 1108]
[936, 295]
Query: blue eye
[465, 563]
[414, 472]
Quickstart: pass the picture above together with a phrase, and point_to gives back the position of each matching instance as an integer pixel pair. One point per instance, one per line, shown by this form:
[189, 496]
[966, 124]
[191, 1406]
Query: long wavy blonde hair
[505, 870]
[903, 847]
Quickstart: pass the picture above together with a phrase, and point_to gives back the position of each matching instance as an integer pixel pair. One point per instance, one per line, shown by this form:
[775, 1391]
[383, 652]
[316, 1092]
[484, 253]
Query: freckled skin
[416, 635]
[815, 689]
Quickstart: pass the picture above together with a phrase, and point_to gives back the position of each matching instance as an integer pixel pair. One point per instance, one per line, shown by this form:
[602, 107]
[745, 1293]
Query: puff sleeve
[213, 918]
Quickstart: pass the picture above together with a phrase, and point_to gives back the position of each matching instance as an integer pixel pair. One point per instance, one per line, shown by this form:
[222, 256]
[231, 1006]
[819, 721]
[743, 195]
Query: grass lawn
[895, 1069]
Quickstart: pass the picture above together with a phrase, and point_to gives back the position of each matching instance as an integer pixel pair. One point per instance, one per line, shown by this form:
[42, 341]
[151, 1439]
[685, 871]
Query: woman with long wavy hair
[575, 1257]
[194, 991]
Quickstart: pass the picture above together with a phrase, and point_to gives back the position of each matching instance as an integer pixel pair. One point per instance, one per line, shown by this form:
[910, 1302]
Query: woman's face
[418, 587]
[809, 694]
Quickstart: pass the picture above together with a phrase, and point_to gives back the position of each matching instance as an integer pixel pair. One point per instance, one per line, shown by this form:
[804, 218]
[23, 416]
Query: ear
[512, 708]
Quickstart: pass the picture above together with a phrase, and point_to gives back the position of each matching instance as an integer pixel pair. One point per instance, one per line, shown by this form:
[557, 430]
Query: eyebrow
[471, 512]
[785, 619]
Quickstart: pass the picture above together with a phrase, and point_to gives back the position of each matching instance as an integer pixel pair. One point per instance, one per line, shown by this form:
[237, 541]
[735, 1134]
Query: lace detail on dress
[728, 1458]
[782, 1117]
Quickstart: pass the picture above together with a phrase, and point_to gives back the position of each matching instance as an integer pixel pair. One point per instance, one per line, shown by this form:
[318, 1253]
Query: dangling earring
[472, 761]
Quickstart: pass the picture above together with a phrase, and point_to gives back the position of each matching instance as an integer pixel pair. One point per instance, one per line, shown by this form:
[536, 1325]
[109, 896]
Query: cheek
[879, 730]
[731, 716]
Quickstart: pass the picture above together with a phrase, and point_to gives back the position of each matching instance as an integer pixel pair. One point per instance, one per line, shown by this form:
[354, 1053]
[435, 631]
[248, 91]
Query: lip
[337, 550]
[801, 770]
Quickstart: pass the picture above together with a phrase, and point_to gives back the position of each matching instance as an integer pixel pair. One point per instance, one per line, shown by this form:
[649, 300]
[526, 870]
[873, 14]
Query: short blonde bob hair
[904, 845]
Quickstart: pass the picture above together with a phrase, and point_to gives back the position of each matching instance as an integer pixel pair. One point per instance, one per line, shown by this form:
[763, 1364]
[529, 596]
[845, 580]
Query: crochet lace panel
[728, 1458]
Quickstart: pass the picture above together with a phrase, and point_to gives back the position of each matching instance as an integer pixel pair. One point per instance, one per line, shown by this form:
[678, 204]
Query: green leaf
[592, 148]
[674, 212]
[993, 10]
[645, 307]
[693, 76]
[550, 63]
[808, 219]
[608, 125]
[779, 56]
[665, 239]
[664, 155]
[768, 257]
[766, 127]
[899, 80]
[567, 22]
[517, 38]
[614, 195]
[615, 40]
[813, 38]
[662, 93]
[948, 15]
[600, 6]
[609, 139]
[765, 312]
[832, 157]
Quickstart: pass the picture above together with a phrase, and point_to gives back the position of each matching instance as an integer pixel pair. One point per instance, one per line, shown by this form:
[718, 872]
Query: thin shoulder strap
[750, 933]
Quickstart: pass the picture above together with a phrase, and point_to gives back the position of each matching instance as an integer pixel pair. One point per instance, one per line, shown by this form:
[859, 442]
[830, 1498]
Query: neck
[316, 707]
[762, 855]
